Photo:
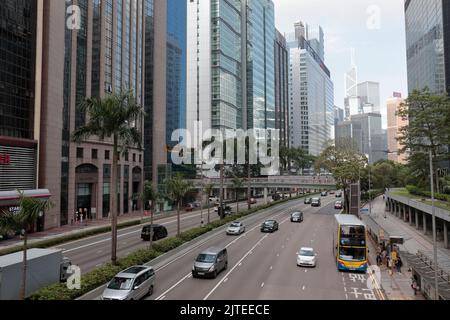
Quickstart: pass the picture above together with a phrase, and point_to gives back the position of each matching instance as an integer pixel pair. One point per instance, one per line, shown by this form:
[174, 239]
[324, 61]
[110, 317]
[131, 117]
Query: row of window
[107, 156]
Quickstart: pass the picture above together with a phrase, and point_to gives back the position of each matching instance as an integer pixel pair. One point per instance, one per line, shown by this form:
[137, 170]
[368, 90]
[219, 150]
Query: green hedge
[67, 238]
[104, 274]
[418, 192]
[365, 196]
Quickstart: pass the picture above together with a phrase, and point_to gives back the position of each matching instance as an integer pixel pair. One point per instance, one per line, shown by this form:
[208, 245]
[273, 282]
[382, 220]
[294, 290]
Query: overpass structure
[271, 184]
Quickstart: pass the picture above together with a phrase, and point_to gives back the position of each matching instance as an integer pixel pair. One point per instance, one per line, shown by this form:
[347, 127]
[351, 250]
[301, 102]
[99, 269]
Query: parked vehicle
[210, 263]
[297, 217]
[214, 200]
[338, 205]
[133, 283]
[44, 267]
[252, 201]
[306, 257]
[227, 210]
[190, 207]
[307, 201]
[269, 226]
[236, 228]
[339, 194]
[315, 202]
[159, 232]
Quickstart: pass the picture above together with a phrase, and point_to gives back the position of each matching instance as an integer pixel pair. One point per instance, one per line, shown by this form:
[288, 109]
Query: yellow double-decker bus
[350, 243]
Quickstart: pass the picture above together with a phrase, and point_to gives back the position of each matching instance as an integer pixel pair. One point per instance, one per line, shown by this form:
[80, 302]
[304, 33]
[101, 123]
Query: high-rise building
[395, 123]
[20, 107]
[282, 89]
[367, 133]
[231, 72]
[351, 100]
[311, 96]
[428, 44]
[369, 95]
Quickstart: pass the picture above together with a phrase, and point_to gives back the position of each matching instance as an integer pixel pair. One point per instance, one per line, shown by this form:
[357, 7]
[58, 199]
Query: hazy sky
[374, 28]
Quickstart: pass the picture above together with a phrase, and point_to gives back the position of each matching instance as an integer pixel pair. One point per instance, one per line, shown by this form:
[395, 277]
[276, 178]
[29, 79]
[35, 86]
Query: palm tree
[116, 117]
[237, 184]
[150, 195]
[208, 189]
[30, 210]
[177, 188]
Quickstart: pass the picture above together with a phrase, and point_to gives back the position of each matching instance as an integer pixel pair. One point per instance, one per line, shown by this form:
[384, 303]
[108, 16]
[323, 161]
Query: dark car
[308, 200]
[315, 202]
[297, 217]
[252, 201]
[226, 210]
[159, 232]
[269, 226]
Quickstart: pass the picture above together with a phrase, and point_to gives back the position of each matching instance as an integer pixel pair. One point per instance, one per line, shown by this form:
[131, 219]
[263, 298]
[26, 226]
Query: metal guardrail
[431, 264]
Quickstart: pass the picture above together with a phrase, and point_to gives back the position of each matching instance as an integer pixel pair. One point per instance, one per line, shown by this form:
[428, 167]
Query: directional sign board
[364, 210]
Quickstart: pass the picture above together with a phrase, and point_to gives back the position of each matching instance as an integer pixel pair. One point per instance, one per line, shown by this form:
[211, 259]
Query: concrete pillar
[266, 200]
[424, 218]
[446, 244]
[410, 216]
[417, 218]
[404, 212]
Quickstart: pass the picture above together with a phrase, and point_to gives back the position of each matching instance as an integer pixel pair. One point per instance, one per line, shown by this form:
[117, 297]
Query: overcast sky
[374, 28]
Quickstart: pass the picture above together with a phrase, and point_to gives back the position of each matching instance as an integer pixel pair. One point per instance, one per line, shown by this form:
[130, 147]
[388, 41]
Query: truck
[44, 267]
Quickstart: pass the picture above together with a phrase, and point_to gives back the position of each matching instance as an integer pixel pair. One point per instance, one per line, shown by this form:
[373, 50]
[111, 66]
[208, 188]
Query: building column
[405, 213]
[417, 219]
[410, 216]
[266, 201]
[424, 218]
[446, 244]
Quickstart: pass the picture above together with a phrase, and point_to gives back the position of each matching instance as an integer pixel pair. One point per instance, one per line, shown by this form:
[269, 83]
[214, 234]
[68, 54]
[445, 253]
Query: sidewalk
[397, 286]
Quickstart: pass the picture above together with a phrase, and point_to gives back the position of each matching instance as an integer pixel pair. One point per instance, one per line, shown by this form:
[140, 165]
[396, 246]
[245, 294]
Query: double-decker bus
[350, 243]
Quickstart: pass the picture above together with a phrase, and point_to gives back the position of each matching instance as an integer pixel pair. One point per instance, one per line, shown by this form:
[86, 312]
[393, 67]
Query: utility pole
[436, 281]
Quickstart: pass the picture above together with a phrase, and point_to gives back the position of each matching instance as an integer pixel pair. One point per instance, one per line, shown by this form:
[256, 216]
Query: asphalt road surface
[92, 252]
[263, 266]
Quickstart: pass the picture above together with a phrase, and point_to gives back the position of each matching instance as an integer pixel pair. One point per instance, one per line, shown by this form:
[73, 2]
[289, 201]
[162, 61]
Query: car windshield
[296, 214]
[206, 258]
[269, 223]
[352, 254]
[119, 283]
[306, 253]
[235, 225]
[315, 200]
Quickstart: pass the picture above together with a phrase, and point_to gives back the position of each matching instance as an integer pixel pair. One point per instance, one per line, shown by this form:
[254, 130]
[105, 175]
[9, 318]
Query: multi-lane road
[92, 252]
[263, 266]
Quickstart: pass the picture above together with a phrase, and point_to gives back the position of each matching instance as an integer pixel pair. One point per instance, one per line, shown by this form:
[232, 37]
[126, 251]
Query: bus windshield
[353, 235]
[352, 254]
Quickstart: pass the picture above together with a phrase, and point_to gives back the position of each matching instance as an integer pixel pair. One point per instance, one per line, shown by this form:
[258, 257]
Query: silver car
[210, 263]
[236, 228]
[134, 283]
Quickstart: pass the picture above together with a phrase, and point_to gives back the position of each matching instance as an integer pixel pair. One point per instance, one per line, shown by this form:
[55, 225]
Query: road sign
[364, 210]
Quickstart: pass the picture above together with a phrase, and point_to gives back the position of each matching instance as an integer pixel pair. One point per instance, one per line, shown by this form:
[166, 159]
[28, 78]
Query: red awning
[9, 198]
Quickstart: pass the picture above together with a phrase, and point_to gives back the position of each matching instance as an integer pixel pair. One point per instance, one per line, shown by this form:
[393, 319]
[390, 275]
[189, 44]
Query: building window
[94, 154]
[126, 156]
[107, 154]
[140, 158]
[134, 157]
[80, 153]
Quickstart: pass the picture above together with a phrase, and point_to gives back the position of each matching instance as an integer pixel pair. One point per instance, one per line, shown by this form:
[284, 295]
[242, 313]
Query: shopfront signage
[5, 159]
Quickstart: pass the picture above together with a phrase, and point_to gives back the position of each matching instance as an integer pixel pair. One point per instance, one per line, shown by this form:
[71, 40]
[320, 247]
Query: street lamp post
[436, 281]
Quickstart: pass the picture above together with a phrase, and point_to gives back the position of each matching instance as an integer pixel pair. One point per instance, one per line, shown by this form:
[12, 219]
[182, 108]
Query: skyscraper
[369, 97]
[394, 123]
[311, 96]
[282, 89]
[231, 72]
[427, 44]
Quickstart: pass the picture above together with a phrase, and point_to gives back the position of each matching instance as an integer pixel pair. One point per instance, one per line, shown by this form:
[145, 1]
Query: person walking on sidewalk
[414, 285]
[399, 264]
[379, 259]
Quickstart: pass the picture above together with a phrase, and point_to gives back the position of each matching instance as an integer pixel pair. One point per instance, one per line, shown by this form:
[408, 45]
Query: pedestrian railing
[432, 265]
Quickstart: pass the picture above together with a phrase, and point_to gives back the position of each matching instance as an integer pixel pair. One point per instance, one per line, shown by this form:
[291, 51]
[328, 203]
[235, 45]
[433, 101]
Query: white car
[306, 257]
[236, 228]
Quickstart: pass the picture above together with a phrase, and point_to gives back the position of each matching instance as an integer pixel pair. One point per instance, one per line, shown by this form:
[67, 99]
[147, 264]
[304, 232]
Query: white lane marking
[99, 265]
[271, 267]
[303, 288]
[306, 270]
[240, 264]
[229, 272]
[345, 289]
[262, 285]
[172, 287]
[346, 296]
[278, 254]
[225, 280]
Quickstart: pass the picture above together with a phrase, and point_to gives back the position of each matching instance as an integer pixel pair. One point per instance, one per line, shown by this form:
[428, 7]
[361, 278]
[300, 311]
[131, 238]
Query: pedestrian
[399, 264]
[414, 285]
[379, 259]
